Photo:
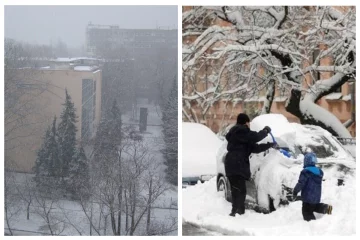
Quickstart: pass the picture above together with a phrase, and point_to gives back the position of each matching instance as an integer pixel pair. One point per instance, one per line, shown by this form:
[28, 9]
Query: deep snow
[199, 149]
[207, 208]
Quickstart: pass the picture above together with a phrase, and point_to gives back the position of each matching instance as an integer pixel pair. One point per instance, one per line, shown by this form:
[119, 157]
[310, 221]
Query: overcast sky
[42, 24]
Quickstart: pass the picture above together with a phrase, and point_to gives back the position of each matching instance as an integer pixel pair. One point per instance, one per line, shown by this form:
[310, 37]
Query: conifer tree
[79, 175]
[54, 164]
[67, 135]
[42, 163]
[47, 166]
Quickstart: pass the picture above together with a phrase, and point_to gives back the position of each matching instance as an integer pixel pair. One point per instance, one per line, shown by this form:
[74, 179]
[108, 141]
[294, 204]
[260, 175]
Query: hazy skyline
[43, 24]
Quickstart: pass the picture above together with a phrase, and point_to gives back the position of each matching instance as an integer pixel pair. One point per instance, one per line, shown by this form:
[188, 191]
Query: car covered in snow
[199, 148]
[274, 174]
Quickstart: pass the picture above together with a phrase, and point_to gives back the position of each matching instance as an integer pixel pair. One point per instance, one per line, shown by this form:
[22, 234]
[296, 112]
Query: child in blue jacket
[309, 184]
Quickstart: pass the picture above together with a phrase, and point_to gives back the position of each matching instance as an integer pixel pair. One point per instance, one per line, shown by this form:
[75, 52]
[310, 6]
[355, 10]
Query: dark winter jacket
[241, 143]
[310, 184]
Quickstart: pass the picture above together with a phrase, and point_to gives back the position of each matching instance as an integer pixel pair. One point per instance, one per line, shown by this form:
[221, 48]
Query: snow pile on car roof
[199, 149]
[280, 127]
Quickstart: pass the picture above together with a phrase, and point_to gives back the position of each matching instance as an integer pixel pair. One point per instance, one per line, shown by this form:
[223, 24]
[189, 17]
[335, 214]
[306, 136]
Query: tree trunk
[119, 196]
[7, 219]
[91, 216]
[149, 209]
[28, 211]
[105, 224]
[270, 93]
[112, 219]
[126, 212]
[133, 208]
[292, 105]
[119, 211]
[297, 106]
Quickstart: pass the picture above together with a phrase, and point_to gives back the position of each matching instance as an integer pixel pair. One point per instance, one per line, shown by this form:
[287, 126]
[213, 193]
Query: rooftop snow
[255, 99]
[346, 97]
[84, 68]
[72, 59]
[280, 99]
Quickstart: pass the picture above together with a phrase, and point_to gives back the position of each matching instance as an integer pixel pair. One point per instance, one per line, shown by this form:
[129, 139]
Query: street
[192, 230]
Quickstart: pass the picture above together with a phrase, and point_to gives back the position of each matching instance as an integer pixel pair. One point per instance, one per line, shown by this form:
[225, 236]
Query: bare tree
[11, 203]
[22, 89]
[251, 46]
[44, 208]
[25, 191]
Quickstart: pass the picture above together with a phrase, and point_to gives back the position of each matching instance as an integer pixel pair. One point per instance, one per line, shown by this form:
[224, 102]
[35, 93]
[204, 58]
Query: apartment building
[45, 88]
[135, 40]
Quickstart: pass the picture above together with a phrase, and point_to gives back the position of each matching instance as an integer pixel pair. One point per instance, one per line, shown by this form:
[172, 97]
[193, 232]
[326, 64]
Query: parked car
[199, 147]
[273, 174]
[188, 181]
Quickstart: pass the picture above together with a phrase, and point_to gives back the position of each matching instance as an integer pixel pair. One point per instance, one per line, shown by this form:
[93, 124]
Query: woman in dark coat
[241, 143]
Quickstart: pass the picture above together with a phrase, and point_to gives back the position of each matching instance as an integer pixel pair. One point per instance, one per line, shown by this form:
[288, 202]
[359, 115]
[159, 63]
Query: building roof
[73, 59]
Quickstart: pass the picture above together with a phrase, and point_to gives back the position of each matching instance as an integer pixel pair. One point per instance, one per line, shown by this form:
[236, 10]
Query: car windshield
[323, 147]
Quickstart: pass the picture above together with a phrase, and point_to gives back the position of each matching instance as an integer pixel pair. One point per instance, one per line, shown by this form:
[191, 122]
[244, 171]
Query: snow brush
[283, 151]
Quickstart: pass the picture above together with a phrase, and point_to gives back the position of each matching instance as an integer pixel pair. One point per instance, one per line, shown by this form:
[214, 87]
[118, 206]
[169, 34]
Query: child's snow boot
[329, 209]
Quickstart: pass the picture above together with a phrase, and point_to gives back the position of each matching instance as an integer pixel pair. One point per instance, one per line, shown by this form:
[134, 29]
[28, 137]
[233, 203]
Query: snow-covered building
[45, 88]
[98, 36]
[208, 86]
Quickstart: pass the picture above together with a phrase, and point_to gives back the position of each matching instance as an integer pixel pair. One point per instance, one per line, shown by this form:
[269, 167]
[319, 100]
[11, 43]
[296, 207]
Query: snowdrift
[199, 149]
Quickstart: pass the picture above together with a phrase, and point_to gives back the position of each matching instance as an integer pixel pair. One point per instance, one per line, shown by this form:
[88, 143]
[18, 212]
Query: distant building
[46, 86]
[98, 36]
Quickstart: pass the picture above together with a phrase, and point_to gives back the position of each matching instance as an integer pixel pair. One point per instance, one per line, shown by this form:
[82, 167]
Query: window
[315, 55]
[323, 149]
[338, 90]
[88, 104]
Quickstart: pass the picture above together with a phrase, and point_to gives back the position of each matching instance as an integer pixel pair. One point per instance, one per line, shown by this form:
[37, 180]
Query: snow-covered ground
[164, 208]
[207, 208]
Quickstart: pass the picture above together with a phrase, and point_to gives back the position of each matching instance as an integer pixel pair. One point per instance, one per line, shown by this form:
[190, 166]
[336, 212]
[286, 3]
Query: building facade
[135, 40]
[45, 88]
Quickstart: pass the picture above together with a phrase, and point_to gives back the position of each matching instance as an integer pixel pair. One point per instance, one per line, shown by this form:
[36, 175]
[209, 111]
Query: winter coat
[241, 143]
[309, 184]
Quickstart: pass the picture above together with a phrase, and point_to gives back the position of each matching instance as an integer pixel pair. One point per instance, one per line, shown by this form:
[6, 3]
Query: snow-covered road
[207, 208]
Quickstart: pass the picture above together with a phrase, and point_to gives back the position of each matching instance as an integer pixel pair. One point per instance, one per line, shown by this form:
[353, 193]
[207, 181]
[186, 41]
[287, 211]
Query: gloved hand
[294, 196]
[276, 146]
[267, 129]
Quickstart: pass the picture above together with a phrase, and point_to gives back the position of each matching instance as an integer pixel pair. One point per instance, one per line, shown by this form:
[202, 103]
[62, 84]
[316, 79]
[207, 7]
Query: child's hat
[310, 159]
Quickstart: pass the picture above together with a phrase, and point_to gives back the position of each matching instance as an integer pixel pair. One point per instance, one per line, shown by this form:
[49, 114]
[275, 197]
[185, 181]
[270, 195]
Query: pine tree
[67, 137]
[108, 139]
[47, 164]
[109, 133]
[116, 124]
[54, 163]
[79, 175]
[170, 132]
[42, 164]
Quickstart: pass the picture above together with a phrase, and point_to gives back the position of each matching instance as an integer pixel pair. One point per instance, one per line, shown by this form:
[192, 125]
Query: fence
[347, 141]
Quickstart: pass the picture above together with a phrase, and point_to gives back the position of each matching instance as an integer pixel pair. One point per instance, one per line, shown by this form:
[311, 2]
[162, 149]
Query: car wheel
[222, 185]
[271, 204]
